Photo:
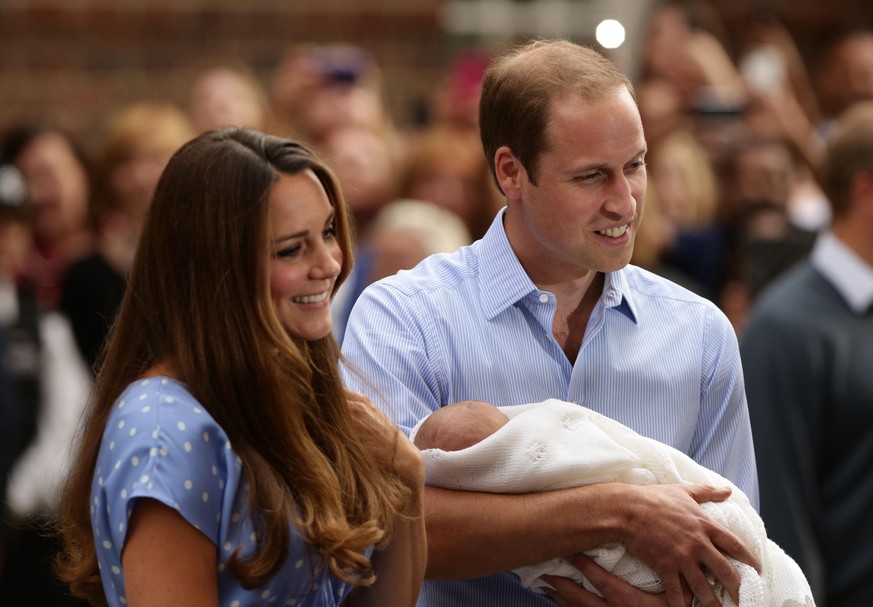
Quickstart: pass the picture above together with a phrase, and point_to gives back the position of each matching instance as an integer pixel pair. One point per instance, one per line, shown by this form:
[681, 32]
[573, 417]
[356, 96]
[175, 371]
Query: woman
[223, 462]
[58, 177]
[136, 145]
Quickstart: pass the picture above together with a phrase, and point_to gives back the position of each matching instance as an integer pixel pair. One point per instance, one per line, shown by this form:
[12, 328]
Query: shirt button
[544, 298]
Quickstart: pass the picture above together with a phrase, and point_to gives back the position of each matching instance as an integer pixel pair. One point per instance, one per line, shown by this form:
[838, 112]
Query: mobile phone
[340, 64]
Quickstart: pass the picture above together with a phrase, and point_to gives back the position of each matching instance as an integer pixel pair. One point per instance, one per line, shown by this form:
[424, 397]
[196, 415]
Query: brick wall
[76, 60]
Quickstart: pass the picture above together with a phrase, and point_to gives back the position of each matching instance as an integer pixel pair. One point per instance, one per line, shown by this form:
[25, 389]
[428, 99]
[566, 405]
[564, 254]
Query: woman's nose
[328, 261]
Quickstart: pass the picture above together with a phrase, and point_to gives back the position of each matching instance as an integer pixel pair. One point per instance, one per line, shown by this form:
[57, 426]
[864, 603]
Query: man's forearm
[476, 534]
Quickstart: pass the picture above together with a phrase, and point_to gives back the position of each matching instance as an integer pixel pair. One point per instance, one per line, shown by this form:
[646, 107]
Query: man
[808, 357]
[544, 306]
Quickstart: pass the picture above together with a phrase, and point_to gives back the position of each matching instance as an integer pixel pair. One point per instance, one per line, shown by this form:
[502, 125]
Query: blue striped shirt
[472, 325]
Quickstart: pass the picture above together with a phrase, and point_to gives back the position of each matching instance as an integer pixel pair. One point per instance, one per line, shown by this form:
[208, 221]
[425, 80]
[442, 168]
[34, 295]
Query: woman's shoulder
[158, 417]
[160, 443]
[153, 389]
[159, 400]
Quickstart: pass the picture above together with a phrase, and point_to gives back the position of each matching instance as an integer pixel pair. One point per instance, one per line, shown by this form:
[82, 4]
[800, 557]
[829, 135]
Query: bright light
[610, 33]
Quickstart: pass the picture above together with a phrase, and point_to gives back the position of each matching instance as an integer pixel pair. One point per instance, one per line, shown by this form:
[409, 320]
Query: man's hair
[850, 152]
[520, 86]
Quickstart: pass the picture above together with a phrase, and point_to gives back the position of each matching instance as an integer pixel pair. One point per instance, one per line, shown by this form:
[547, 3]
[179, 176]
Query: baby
[459, 425]
[475, 446]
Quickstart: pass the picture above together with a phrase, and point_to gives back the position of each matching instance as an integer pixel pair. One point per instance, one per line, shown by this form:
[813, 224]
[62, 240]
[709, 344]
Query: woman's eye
[288, 252]
[329, 232]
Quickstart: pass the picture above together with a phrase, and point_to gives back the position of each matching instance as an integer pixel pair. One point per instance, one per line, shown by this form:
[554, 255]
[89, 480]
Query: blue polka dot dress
[160, 443]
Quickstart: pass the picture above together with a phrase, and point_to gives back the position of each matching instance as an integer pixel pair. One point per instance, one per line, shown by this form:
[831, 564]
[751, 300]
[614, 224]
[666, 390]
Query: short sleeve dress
[160, 443]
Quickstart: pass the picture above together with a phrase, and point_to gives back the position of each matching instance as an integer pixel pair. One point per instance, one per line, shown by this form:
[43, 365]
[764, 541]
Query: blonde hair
[681, 152]
[439, 230]
[143, 127]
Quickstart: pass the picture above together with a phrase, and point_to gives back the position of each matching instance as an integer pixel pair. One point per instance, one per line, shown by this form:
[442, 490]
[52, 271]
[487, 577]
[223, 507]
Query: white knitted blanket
[555, 444]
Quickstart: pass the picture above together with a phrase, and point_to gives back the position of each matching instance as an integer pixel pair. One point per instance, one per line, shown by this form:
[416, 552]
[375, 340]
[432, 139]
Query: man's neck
[576, 301]
[856, 235]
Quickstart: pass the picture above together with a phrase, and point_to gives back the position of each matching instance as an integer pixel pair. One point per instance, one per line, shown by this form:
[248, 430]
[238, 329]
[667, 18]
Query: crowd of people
[732, 318]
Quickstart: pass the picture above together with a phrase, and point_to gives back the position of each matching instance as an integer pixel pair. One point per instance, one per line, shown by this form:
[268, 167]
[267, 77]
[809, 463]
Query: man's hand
[615, 591]
[664, 526]
[683, 546]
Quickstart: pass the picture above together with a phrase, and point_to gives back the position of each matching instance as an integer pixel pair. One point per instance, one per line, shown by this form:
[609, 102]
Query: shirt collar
[617, 294]
[847, 272]
[503, 281]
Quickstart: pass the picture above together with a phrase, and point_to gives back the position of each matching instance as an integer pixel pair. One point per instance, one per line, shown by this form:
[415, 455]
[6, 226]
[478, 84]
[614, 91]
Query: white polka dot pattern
[168, 448]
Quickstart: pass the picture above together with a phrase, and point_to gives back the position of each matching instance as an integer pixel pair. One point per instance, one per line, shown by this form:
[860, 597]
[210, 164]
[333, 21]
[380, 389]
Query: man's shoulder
[440, 272]
[650, 286]
[801, 297]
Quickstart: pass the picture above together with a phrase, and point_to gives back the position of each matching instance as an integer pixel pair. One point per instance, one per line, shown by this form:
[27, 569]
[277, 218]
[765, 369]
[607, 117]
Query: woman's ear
[509, 172]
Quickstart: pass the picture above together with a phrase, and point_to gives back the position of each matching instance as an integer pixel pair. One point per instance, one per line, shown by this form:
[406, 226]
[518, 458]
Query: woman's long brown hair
[198, 297]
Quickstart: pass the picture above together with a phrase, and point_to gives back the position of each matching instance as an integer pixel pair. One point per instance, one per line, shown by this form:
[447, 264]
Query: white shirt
[850, 275]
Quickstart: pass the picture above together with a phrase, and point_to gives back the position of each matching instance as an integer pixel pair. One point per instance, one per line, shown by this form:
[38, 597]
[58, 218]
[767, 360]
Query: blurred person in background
[10, 429]
[316, 89]
[404, 232]
[19, 335]
[58, 180]
[843, 73]
[367, 163]
[11, 432]
[227, 93]
[761, 238]
[807, 356]
[770, 62]
[454, 101]
[680, 173]
[760, 169]
[661, 109]
[686, 194]
[782, 103]
[46, 383]
[16, 240]
[783, 110]
[761, 243]
[747, 126]
[445, 166]
[683, 44]
[136, 144]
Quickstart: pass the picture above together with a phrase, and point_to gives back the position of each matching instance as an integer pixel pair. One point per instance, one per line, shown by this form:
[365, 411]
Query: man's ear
[509, 172]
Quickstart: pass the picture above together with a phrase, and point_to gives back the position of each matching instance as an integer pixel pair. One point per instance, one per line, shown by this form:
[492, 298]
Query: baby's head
[459, 425]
